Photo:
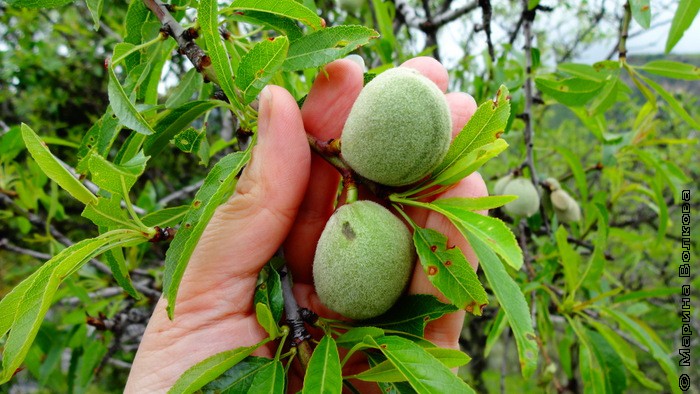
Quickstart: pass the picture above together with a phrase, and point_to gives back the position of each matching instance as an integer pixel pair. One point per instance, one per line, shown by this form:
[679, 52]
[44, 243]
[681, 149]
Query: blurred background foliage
[624, 161]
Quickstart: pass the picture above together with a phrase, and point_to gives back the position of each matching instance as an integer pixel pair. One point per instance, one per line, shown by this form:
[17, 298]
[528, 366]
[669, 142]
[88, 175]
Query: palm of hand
[284, 196]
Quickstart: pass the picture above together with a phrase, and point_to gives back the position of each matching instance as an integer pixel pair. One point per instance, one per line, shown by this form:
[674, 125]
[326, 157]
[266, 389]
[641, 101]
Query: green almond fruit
[528, 201]
[364, 260]
[399, 128]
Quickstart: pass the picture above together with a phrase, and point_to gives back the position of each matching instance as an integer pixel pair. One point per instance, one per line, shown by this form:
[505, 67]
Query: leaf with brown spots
[449, 271]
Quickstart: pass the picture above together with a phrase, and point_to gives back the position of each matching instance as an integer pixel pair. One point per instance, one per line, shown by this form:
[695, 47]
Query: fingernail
[265, 112]
[357, 59]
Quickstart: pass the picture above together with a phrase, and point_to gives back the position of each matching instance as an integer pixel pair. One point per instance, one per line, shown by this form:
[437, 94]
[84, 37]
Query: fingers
[325, 110]
[247, 230]
[431, 68]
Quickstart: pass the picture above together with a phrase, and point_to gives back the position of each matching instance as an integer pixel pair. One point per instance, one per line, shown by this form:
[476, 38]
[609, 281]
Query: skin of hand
[284, 197]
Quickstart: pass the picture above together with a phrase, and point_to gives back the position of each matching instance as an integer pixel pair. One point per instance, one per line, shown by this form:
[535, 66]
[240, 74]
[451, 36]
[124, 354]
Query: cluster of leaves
[141, 59]
[587, 319]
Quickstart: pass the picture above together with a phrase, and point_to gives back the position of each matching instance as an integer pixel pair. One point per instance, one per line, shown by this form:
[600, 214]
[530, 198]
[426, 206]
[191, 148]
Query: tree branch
[528, 16]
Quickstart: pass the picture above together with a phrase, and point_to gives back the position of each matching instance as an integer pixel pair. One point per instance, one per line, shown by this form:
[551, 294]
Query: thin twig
[300, 337]
[185, 40]
[486, 13]
[624, 32]
[528, 132]
[180, 193]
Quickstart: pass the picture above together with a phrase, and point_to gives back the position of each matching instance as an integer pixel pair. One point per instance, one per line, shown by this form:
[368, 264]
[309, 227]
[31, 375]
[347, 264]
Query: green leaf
[475, 203]
[219, 183]
[493, 232]
[95, 8]
[175, 121]
[423, 371]
[672, 102]
[282, 24]
[38, 3]
[269, 379]
[570, 260]
[120, 272]
[411, 313]
[108, 213]
[259, 65]
[610, 363]
[357, 335]
[585, 71]
[572, 92]
[117, 179]
[285, 8]
[52, 167]
[467, 164]
[136, 16]
[574, 163]
[190, 84]
[323, 374]
[671, 69]
[99, 138]
[239, 377]
[124, 108]
[626, 353]
[265, 319]
[269, 292]
[324, 46]
[207, 370]
[208, 18]
[684, 16]
[387, 372]
[512, 301]
[648, 338]
[24, 308]
[484, 127]
[449, 271]
[590, 371]
[189, 140]
[499, 324]
[641, 12]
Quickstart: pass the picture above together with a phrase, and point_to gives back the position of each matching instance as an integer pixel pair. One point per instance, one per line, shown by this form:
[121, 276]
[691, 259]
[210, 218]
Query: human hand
[284, 196]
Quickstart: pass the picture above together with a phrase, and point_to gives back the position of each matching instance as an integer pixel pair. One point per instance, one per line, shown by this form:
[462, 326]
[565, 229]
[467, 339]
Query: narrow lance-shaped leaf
[108, 213]
[259, 65]
[190, 84]
[208, 18]
[95, 8]
[120, 272]
[641, 12]
[207, 370]
[324, 46]
[684, 16]
[116, 178]
[410, 314]
[265, 319]
[469, 163]
[286, 8]
[387, 372]
[54, 169]
[653, 343]
[512, 301]
[493, 232]
[174, 122]
[269, 292]
[123, 107]
[484, 127]
[24, 308]
[323, 374]
[570, 260]
[671, 69]
[423, 371]
[239, 377]
[269, 379]
[572, 92]
[672, 102]
[448, 270]
[219, 183]
[38, 3]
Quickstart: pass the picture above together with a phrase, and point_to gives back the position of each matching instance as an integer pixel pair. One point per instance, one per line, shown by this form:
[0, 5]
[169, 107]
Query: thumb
[247, 230]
